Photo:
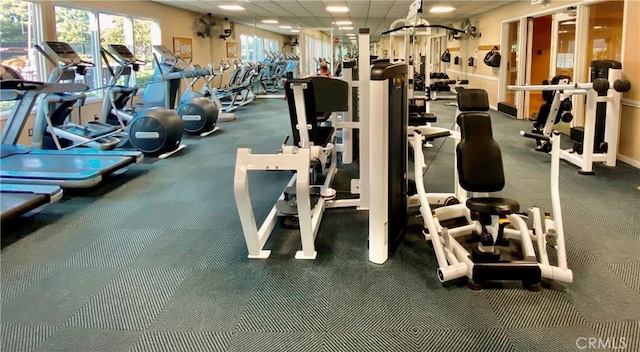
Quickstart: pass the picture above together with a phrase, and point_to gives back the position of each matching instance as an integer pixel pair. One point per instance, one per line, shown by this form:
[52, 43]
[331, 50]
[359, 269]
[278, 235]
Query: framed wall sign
[232, 50]
[182, 47]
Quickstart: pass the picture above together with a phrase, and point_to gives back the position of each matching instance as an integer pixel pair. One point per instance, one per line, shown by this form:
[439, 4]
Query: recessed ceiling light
[295, 31]
[337, 9]
[270, 21]
[345, 28]
[343, 23]
[285, 27]
[441, 9]
[231, 7]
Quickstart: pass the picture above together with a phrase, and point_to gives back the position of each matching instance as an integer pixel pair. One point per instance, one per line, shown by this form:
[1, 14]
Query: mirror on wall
[316, 46]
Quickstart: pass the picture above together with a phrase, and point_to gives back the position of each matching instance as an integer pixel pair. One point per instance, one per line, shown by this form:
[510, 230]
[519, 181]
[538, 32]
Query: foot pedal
[287, 207]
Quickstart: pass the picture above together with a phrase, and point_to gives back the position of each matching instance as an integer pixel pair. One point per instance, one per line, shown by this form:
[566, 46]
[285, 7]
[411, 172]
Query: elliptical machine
[211, 92]
[198, 113]
[154, 131]
[52, 128]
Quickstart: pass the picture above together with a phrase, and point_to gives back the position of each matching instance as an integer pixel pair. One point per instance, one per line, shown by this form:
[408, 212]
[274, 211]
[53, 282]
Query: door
[539, 62]
[513, 48]
[512, 51]
[563, 44]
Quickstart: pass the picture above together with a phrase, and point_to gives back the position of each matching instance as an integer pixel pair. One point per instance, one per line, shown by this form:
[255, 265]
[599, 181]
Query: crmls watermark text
[592, 343]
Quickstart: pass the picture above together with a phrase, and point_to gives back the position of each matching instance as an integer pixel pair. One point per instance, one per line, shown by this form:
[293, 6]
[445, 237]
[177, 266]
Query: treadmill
[75, 168]
[16, 199]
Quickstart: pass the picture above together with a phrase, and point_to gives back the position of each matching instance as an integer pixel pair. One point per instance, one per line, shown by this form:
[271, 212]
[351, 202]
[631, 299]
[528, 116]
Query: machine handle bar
[536, 136]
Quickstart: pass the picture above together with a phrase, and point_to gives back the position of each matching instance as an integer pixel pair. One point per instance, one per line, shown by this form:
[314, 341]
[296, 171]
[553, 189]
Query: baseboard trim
[631, 103]
[628, 160]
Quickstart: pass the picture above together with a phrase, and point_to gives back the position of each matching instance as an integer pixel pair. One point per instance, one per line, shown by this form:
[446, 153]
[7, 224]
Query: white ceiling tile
[375, 14]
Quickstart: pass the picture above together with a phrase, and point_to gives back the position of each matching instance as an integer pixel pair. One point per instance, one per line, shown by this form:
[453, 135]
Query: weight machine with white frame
[614, 86]
[298, 158]
[455, 260]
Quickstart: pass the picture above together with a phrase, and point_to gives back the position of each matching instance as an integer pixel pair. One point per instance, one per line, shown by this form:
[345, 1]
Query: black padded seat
[322, 96]
[493, 205]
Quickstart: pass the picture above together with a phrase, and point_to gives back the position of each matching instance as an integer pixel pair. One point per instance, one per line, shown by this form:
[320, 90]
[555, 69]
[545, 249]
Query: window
[605, 31]
[247, 48]
[77, 28]
[87, 32]
[19, 30]
[135, 33]
[271, 45]
[252, 48]
[146, 33]
[113, 30]
[316, 49]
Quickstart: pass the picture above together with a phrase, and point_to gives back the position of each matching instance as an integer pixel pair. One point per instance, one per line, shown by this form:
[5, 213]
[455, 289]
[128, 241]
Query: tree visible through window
[145, 34]
[74, 26]
[19, 30]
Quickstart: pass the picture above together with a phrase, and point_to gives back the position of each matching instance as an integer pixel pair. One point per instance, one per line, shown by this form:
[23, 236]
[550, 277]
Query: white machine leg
[303, 199]
[589, 133]
[612, 128]
[243, 202]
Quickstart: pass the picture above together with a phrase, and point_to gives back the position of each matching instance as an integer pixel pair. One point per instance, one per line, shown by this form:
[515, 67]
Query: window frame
[95, 12]
[38, 31]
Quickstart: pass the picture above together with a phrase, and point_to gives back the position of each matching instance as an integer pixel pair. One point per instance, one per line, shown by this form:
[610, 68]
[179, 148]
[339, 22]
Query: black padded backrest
[322, 96]
[548, 96]
[479, 161]
[473, 100]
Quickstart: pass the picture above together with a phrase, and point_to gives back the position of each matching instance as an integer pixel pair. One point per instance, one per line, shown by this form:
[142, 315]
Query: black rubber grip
[622, 85]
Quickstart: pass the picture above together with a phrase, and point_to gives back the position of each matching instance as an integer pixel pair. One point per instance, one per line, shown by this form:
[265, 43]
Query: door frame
[580, 65]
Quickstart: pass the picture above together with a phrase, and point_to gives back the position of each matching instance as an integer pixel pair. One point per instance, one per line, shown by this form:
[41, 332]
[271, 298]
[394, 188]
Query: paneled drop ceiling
[377, 15]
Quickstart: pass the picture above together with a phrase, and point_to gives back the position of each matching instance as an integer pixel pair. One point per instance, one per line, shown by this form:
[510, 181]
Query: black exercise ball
[155, 131]
[198, 114]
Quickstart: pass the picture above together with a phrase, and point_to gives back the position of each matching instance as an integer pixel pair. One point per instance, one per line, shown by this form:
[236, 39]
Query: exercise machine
[598, 140]
[486, 238]
[313, 153]
[52, 128]
[75, 168]
[555, 106]
[197, 112]
[388, 142]
[211, 92]
[16, 199]
[154, 131]
[239, 86]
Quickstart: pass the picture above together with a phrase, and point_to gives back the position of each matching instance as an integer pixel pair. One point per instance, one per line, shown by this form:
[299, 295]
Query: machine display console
[122, 51]
[164, 51]
[64, 52]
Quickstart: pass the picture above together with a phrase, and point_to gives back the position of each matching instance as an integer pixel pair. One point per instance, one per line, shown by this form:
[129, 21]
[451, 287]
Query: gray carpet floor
[155, 260]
